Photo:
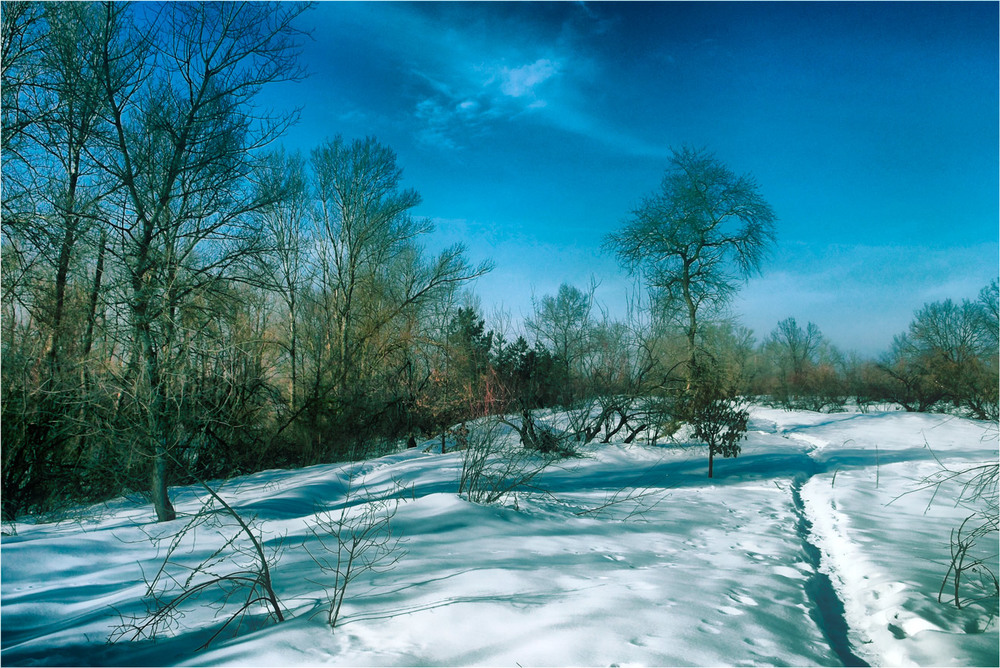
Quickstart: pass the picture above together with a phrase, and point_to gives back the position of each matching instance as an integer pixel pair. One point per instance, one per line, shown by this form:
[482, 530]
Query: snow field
[497, 586]
[709, 573]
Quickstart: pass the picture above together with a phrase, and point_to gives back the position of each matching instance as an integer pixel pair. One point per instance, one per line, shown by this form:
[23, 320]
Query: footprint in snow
[742, 599]
[707, 627]
[897, 632]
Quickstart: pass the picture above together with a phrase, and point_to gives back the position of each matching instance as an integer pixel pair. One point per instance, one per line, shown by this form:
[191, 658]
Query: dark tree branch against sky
[531, 130]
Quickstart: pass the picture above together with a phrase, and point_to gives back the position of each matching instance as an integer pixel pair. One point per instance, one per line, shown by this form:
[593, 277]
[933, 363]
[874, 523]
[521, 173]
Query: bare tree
[286, 216]
[54, 196]
[949, 354]
[562, 323]
[375, 272]
[972, 576]
[72, 136]
[356, 540]
[989, 302]
[375, 284]
[796, 348]
[22, 45]
[366, 219]
[806, 371]
[235, 578]
[697, 238]
[493, 469]
[23, 35]
[184, 137]
[628, 368]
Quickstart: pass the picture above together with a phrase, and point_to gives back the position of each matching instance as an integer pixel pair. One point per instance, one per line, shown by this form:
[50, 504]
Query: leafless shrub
[585, 419]
[541, 438]
[972, 570]
[635, 502]
[972, 575]
[235, 579]
[980, 579]
[493, 469]
[355, 540]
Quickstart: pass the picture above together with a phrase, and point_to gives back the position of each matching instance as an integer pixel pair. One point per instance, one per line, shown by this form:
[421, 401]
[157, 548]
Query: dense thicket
[176, 298]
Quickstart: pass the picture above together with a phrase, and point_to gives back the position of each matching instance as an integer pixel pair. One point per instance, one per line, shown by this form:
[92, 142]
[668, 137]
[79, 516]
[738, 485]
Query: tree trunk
[692, 328]
[158, 431]
[711, 457]
[633, 433]
[294, 354]
[622, 419]
[161, 499]
[88, 340]
[62, 278]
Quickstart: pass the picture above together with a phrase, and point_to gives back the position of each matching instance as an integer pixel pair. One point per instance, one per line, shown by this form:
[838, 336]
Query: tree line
[181, 299]
[178, 296]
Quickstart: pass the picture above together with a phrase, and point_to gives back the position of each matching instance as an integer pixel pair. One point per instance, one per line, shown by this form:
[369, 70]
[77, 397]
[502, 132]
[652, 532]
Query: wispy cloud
[524, 81]
[550, 89]
[466, 101]
[462, 101]
[486, 68]
[435, 122]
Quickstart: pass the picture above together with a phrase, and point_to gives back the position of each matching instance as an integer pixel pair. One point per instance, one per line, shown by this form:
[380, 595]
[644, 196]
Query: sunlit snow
[684, 571]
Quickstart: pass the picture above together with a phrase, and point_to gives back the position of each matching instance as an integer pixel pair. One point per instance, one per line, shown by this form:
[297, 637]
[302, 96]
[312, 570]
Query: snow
[729, 571]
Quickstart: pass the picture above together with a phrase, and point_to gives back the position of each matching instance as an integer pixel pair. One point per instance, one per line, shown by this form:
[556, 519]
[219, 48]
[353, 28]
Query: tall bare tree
[186, 129]
[73, 138]
[24, 33]
[794, 349]
[374, 274]
[563, 324]
[951, 349]
[53, 195]
[22, 40]
[696, 239]
[287, 219]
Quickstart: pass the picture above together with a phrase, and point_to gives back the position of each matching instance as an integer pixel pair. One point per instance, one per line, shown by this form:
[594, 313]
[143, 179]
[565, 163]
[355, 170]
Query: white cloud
[473, 77]
[466, 99]
[467, 84]
[522, 81]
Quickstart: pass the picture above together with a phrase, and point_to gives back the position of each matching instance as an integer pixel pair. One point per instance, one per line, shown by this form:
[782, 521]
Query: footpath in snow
[804, 550]
[884, 534]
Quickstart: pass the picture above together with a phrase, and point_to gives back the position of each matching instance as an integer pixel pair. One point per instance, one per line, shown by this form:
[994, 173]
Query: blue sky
[532, 129]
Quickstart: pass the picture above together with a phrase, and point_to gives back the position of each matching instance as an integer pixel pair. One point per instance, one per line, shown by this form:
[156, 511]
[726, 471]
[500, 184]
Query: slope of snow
[705, 572]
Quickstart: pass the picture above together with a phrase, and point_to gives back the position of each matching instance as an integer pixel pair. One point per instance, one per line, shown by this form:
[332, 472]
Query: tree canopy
[697, 238]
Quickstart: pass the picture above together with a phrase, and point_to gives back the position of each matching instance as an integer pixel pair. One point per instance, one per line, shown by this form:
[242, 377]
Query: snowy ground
[731, 571]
